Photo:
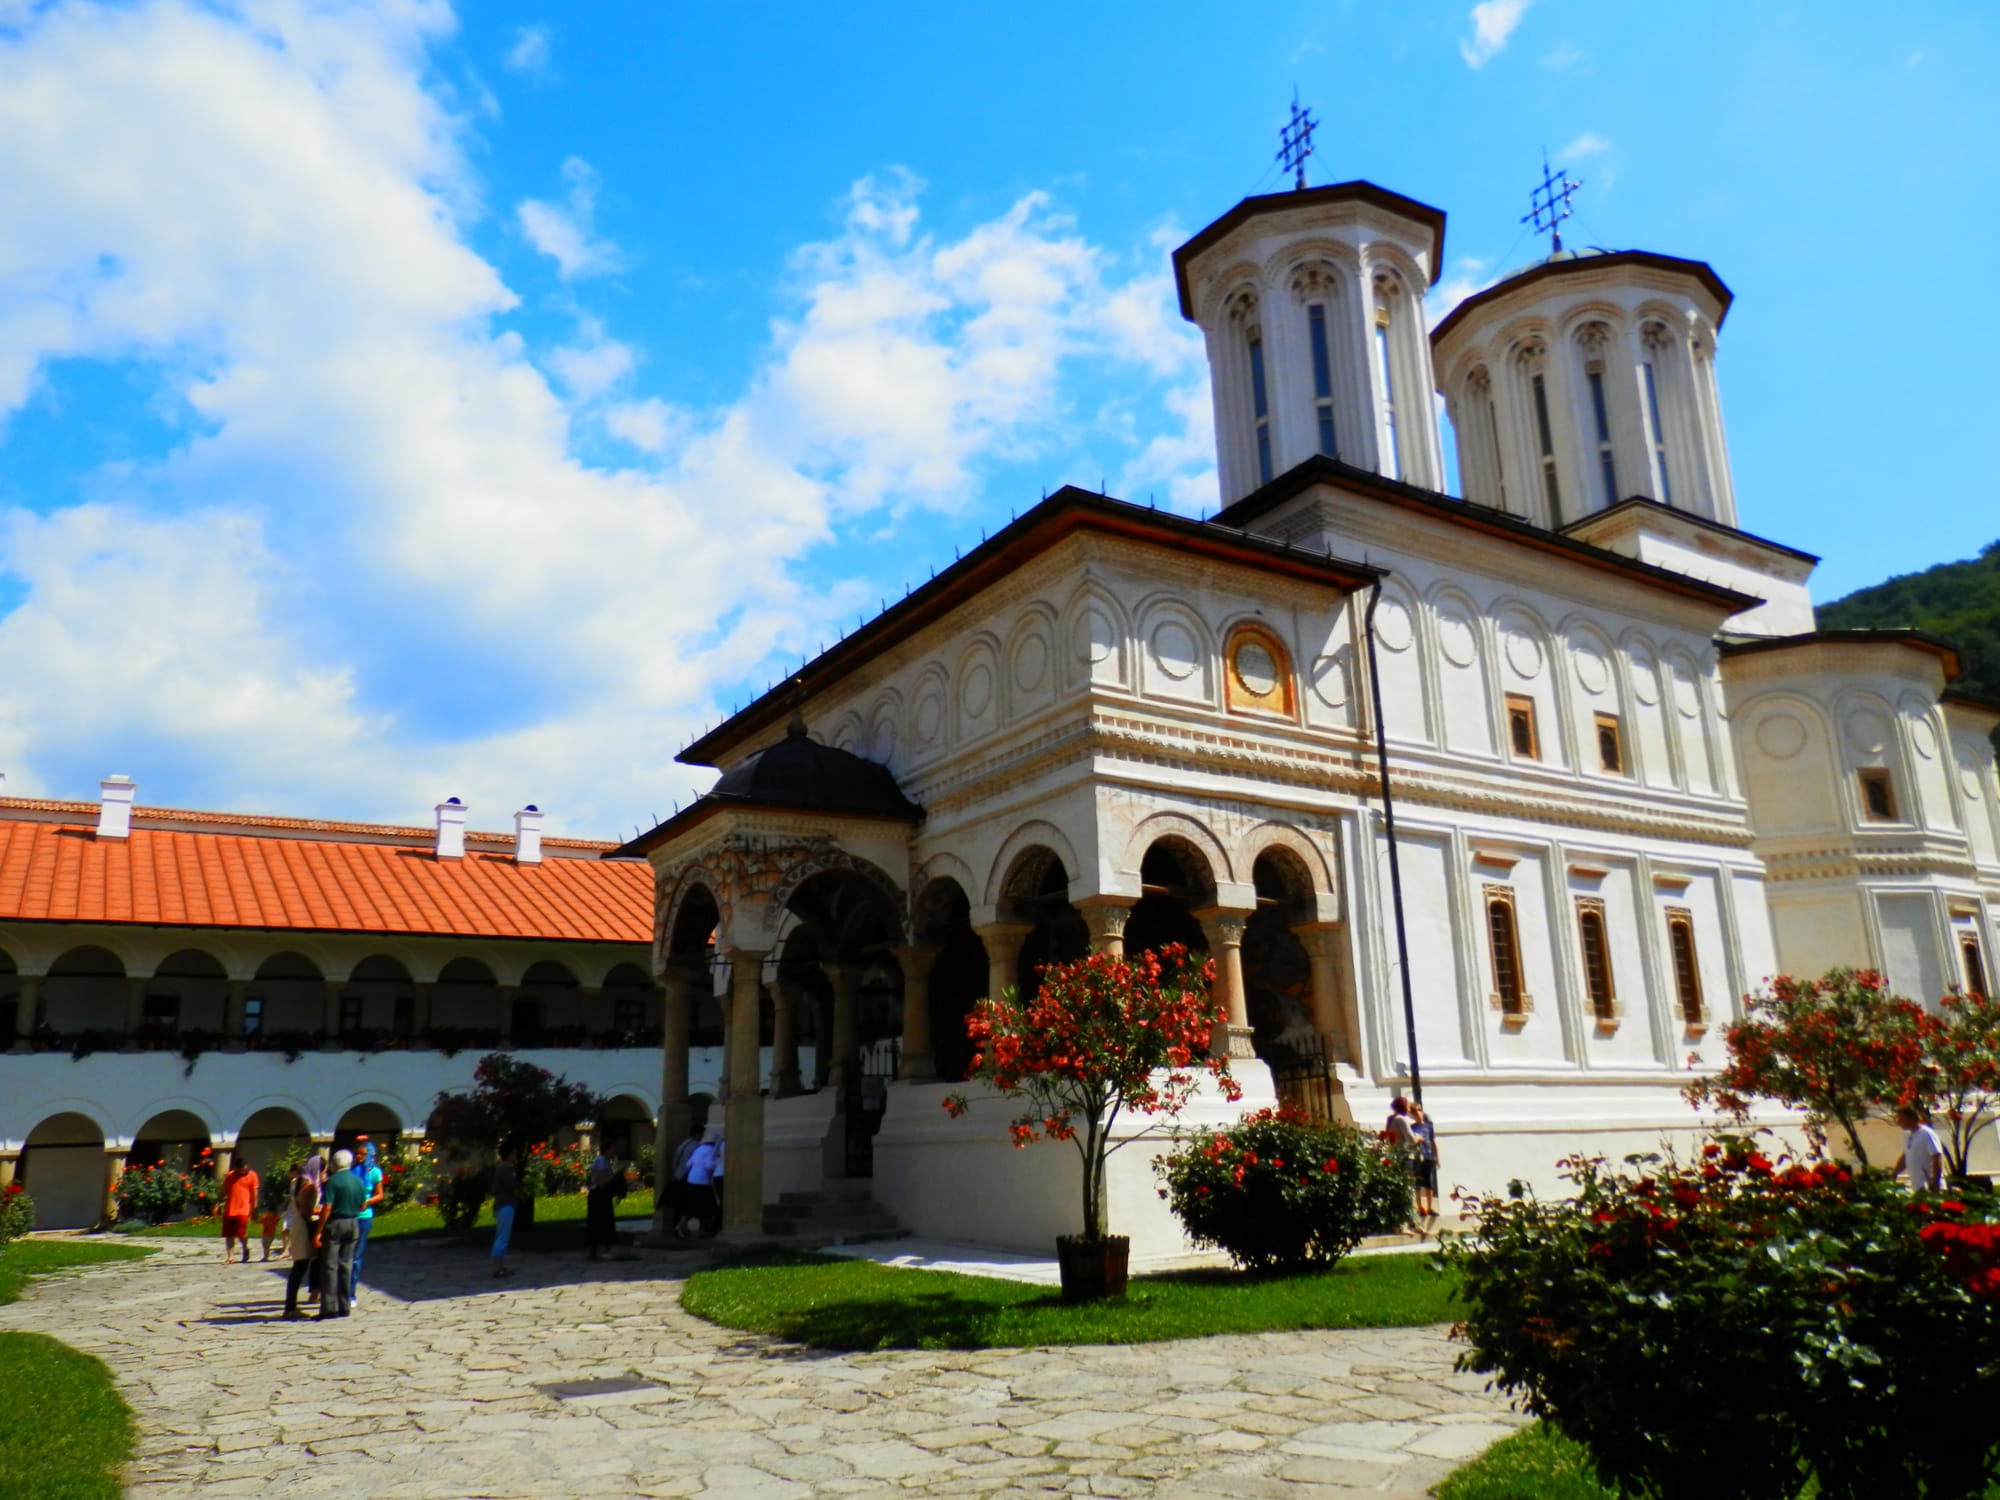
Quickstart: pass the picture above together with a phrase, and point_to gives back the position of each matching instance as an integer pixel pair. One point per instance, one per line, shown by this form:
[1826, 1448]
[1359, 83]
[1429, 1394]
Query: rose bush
[17, 1212]
[1277, 1192]
[548, 1171]
[1737, 1327]
[157, 1194]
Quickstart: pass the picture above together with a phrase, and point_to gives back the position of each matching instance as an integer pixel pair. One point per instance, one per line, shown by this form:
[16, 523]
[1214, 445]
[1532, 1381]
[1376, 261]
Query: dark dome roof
[800, 772]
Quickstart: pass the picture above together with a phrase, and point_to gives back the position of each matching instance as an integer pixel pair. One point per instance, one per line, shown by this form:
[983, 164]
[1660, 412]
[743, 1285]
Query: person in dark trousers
[339, 1230]
[506, 1199]
[301, 1225]
[600, 1223]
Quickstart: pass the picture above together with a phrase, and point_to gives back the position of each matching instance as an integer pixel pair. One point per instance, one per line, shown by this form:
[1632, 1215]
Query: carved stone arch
[1188, 830]
[930, 722]
[1447, 604]
[1573, 320]
[1529, 351]
[1471, 361]
[977, 692]
[91, 1111]
[1309, 269]
[1315, 862]
[1083, 643]
[849, 733]
[1578, 630]
[1028, 666]
[885, 717]
[798, 863]
[406, 1118]
[1035, 834]
[201, 1109]
[674, 906]
[1242, 280]
[942, 868]
[1914, 708]
[1202, 647]
[1777, 734]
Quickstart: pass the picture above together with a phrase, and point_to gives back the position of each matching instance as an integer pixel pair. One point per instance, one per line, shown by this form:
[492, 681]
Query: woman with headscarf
[300, 1221]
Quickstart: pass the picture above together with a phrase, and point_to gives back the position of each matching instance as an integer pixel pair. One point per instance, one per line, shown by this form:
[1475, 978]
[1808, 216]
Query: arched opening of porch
[1175, 882]
[380, 998]
[546, 1010]
[86, 992]
[630, 1004]
[1035, 896]
[13, 1022]
[189, 991]
[958, 975]
[373, 1119]
[1277, 970]
[623, 1125]
[64, 1166]
[465, 1004]
[287, 999]
[175, 1139]
[269, 1134]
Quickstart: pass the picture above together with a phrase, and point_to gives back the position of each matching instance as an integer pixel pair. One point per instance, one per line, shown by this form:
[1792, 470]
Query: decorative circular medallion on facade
[1645, 676]
[1781, 735]
[1256, 668]
[1592, 670]
[929, 717]
[1031, 663]
[1456, 640]
[1524, 652]
[1392, 626]
[1687, 697]
[976, 691]
[1329, 678]
[1968, 775]
[1867, 732]
[1174, 650]
[882, 744]
[1094, 638]
[1924, 738]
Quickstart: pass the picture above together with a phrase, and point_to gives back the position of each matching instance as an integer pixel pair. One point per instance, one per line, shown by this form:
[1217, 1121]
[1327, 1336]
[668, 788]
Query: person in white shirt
[1922, 1160]
[700, 1209]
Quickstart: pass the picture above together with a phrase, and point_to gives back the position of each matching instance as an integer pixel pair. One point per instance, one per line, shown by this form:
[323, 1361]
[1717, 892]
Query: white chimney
[451, 829]
[114, 813]
[528, 835]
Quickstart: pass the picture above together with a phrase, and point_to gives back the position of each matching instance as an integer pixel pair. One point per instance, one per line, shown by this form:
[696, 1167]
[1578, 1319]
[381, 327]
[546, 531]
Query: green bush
[1737, 1328]
[157, 1194]
[405, 1172]
[1276, 1191]
[17, 1212]
[459, 1197]
[551, 1171]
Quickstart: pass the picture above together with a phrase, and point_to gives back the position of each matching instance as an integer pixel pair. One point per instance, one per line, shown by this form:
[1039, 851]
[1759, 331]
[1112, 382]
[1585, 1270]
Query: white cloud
[1567, 57]
[380, 569]
[529, 51]
[1493, 23]
[564, 232]
[1590, 143]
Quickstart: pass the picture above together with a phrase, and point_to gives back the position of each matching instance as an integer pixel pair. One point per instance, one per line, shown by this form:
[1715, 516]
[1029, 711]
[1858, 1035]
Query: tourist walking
[699, 1208]
[1922, 1160]
[600, 1207]
[675, 1188]
[370, 1173]
[301, 1224]
[239, 1202]
[1401, 1132]
[506, 1199]
[340, 1202]
[1425, 1165]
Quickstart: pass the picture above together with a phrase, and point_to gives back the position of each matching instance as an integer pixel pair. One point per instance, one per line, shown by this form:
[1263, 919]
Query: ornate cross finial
[1549, 205]
[1296, 142]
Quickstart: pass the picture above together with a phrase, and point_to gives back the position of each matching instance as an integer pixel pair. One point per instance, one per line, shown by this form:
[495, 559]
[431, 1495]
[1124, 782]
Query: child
[268, 1223]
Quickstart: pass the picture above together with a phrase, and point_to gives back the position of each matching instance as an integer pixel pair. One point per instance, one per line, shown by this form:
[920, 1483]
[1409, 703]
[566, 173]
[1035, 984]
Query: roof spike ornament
[1548, 205]
[1295, 142]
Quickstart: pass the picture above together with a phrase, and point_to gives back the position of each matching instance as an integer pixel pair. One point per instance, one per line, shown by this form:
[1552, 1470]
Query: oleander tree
[512, 1103]
[1100, 1036]
[1962, 1068]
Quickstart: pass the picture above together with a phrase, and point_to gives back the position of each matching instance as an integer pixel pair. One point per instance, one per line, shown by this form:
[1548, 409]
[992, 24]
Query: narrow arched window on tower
[1322, 379]
[1260, 406]
[1547, 438]
[1607, 465]
[1656, 433]
[1392, 464]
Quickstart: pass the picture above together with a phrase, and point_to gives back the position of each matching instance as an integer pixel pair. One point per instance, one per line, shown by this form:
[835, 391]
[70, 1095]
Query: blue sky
[399, 400]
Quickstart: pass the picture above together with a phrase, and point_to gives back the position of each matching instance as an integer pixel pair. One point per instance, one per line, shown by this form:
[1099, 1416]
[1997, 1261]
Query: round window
[1257, 668]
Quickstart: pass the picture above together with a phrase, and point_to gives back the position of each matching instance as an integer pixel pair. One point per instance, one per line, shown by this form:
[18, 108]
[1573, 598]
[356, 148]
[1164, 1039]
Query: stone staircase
[840, 1213]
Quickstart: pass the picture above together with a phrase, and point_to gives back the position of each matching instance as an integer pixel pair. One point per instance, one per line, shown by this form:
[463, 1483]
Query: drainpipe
[1389, 828]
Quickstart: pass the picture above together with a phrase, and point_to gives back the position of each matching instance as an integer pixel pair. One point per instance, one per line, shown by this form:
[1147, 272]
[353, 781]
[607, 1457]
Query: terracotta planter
[1093, 1269]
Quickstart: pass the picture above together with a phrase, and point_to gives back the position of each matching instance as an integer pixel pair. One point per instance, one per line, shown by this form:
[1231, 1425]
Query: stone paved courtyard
[440, 1385]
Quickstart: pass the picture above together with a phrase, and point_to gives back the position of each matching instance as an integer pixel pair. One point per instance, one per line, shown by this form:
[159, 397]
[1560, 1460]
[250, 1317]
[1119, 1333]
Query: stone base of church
[802, 1143]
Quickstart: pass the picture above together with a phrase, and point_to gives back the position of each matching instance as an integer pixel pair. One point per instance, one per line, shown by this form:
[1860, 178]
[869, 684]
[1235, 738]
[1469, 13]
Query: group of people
[327, 1212]
[692, 1184]
[603, 1185]
[1410, 1129]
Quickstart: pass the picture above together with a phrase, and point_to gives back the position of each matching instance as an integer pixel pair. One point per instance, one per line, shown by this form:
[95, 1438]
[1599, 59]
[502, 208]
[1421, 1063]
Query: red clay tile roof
[60, 871]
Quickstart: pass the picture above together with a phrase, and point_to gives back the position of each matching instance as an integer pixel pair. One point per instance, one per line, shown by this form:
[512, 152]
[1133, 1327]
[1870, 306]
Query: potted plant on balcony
[1099, 1036]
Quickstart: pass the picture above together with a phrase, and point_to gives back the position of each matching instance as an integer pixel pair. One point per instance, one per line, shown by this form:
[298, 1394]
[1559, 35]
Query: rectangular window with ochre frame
[1610, 743]
[1503, 939]
[1972, 962]
[1878, 795]
[1687, 971]
[1595, 944]
[1522, 734]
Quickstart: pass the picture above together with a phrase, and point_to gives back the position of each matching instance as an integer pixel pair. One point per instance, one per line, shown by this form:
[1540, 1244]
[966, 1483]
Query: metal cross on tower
[1549, 205]
[1296, 140]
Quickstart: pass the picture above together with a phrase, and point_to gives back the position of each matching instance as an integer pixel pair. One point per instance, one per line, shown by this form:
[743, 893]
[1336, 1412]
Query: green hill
[1957, 600]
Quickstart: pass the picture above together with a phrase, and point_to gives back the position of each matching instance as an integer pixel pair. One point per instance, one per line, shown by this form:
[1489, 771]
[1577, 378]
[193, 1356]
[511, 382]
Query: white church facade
[1630, 778]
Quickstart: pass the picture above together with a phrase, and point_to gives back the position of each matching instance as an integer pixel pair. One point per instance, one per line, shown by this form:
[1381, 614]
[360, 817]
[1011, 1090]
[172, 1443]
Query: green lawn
[24, 1259]
[832, 1303]
[414, 1218]
[67, 1431]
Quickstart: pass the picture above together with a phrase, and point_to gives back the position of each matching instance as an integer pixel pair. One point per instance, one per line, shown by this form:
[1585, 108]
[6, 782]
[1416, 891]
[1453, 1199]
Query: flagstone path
[446, 1384]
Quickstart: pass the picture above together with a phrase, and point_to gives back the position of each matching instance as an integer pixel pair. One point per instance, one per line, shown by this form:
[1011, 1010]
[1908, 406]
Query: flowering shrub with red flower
[1099, 1036]
[157, 1194]
[1277, 1192]
[1839, 1049]
[17, 1212]
[1739, 1324]
[1961, 1081]
[548, 1170]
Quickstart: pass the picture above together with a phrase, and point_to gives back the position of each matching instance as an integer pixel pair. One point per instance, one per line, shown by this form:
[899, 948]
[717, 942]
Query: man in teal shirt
[371, 1178]
[339, 1204]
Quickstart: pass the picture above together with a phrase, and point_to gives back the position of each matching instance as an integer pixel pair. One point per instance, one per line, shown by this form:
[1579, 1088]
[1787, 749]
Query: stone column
[329, 1019]
[1223, 927]
[9, 1160]
[823, 1041]
[586, 1134]
[675, 1112]
[1106, 916]
[1322, 944]
[27, 1002]
[421, 996]
[232, 1014]
[918, 1060]
[135, 1011]
[845, 1043]
[785, 1081]
[743, 1116]
[114, 1168]
[225, 1153]
[1003, 942]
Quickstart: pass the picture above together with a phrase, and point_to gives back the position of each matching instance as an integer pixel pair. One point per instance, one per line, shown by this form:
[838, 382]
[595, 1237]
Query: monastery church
[1522, 790]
